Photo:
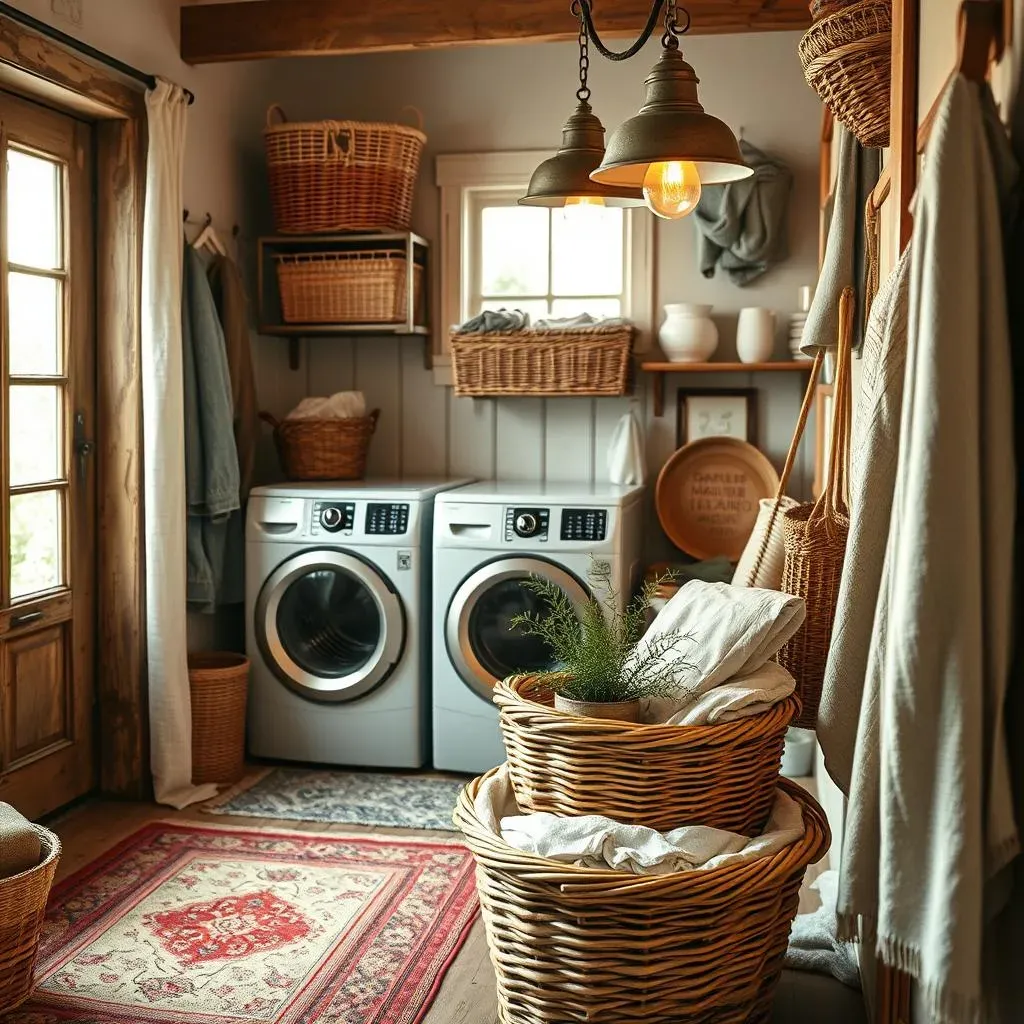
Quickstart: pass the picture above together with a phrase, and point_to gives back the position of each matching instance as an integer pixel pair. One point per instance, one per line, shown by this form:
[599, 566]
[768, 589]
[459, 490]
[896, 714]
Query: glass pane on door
[33, 313]
[502, 649]
[329, 623]
[36, 543]
[35, 435]
[34, 187]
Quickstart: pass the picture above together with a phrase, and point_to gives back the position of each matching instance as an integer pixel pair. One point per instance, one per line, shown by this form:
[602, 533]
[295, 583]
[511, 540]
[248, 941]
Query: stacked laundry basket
[572, 943]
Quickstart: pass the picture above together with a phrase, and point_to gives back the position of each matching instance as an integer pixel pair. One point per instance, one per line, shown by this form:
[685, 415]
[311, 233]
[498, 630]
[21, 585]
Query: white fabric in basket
[598, 842]
[345, 405]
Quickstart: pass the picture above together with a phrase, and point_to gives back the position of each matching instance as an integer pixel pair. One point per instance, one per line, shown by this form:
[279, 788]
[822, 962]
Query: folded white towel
[735, 632]
[553, 323]
[343, 405]
[739, 697]
[599, 842]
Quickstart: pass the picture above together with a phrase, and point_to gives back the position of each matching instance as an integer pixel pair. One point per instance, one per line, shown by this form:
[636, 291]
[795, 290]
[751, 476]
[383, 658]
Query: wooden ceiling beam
[213, 32]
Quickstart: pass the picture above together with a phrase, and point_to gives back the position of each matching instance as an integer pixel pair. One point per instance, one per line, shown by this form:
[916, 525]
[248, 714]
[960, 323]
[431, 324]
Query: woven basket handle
[417, 113]
[787, 469]
[276, 115]
[833, 501]
[272, 420]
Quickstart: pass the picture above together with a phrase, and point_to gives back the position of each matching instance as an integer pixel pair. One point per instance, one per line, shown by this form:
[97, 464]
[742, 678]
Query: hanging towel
[844, 264]
[874, 450]
[742, 227]
[626, 461]
[930, 821]
[735, 632]
[211, 459]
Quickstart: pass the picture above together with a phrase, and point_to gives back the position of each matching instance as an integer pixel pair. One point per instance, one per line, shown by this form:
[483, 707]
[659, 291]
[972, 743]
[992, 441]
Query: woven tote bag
[815, 540]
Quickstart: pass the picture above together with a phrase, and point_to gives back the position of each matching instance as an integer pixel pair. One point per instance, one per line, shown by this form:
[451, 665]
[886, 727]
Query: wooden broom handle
[787, 469]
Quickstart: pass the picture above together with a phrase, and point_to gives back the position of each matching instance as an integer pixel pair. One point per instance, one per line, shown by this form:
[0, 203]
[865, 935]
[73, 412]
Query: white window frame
[461, 177]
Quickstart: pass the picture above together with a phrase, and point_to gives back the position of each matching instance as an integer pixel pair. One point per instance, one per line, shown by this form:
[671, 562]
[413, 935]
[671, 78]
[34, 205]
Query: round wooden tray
[707, 495]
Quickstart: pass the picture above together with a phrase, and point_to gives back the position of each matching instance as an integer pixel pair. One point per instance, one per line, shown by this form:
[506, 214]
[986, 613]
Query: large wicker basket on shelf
[574, 361]
[333, 449]
[341, 175]
[22, 908]
[363, 287]
[847, 60]
[219, 686]
[573, 944]
[661, 776]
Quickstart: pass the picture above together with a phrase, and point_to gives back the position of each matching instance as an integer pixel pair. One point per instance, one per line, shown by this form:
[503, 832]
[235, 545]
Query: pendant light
[671, 148]
[565, 179]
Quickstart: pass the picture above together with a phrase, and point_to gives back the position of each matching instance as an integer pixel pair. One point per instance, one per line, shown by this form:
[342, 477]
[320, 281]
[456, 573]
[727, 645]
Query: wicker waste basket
[661, 776]
[334, 449]
[576, 944]
[22, 907]
[219, 683]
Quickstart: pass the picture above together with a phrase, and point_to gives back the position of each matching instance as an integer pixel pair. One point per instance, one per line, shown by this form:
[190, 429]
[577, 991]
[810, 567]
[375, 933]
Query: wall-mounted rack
[411, 320]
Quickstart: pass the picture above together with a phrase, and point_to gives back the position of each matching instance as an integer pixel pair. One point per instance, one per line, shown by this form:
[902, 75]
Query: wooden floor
[468, 993]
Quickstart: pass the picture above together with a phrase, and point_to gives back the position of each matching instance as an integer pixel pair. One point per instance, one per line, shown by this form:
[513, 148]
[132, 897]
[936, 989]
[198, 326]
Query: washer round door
[329, 626]
[481, 642]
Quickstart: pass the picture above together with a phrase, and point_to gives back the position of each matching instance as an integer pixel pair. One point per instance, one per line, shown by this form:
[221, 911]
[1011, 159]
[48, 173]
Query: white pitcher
[755, 335]
[688, 334]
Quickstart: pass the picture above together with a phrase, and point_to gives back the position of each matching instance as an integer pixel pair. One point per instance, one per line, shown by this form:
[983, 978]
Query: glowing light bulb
[672, 188]
[585, 201]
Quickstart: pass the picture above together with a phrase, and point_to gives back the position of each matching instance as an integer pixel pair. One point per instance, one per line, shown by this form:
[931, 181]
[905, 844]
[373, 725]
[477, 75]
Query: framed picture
[823, 408]
[716, 412]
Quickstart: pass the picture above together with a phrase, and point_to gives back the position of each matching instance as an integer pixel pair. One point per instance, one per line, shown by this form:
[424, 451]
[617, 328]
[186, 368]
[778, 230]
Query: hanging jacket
[211, 459]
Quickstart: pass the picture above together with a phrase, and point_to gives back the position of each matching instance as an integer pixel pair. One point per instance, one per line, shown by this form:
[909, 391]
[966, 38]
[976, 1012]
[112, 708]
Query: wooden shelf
[660, 369]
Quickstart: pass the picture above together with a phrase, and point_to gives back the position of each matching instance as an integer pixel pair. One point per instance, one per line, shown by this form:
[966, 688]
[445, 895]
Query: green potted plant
[600, 675]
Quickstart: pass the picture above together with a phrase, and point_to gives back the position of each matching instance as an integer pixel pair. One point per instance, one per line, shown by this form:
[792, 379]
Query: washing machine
[337, 614]
[488, 539]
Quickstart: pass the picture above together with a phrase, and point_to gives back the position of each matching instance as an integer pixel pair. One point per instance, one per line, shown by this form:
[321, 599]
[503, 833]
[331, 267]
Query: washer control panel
[334, 516]
[527, 523]
[389, 519]
[584, 524]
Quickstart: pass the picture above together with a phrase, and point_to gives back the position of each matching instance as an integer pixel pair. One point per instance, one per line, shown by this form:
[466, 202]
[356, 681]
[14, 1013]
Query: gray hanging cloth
[742, 226]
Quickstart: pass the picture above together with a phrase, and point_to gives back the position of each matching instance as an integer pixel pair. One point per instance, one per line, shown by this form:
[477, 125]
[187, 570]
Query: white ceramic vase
[688, 334]
[755, 335]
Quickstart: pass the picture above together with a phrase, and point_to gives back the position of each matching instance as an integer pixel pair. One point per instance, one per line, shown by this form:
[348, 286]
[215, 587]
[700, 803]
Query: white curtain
[170, 708]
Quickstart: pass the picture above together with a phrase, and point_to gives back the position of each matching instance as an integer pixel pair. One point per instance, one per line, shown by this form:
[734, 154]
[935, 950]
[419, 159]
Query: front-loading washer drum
[330, 626]
[481, 643]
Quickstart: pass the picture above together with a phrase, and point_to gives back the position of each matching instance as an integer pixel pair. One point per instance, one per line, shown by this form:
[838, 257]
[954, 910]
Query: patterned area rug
[232, 926]
[354, 798]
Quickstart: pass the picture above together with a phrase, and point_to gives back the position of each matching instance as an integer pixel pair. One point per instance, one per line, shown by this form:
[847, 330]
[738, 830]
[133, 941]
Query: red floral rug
[188, 925]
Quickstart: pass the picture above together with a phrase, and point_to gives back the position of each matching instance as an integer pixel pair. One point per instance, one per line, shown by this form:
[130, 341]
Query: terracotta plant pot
[616, 711]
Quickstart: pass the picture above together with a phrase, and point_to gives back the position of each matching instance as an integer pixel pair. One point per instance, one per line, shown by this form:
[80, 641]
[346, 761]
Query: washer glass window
[501, 648]
[329, 623]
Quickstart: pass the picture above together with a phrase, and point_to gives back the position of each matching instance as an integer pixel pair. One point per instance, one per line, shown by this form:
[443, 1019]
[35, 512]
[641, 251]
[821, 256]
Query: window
[547, 262]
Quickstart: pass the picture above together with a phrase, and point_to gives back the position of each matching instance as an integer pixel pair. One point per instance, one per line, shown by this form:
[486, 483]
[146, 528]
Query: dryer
[488, 538]
[337, 613]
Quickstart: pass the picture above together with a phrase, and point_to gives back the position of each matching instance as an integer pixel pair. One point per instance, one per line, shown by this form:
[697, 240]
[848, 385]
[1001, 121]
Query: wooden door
[47, 487]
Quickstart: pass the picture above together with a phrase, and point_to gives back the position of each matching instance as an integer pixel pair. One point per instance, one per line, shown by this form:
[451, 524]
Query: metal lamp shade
[671, 125]
[568, 173]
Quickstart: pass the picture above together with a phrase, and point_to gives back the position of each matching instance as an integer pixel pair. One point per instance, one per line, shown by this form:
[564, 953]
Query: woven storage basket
[577, 361]
[22, 907]
[341, 175]
[219, 685]
[661, 776]
[572, 944]
[815, 540]
[363, 287]
[847, 61]
[333, 449]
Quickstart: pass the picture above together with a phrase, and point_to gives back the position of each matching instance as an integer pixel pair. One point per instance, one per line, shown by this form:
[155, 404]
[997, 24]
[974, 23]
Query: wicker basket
[572, 944]
[847, 61]
[577, 361]
[219, 684]
[815, 536]
[365, 287]
[328, 176]
[661, 776]
[22, 907]
[334, 449]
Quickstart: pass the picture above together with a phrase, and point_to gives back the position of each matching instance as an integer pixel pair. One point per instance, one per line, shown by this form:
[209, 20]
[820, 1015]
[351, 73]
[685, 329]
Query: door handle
[16, 621]
[83, 446]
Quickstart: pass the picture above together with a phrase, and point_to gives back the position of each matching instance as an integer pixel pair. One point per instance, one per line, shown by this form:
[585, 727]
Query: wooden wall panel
[569, 439]
[424, 417]
[520, 444]
[472, 428]
[38, 713]
[379, 376]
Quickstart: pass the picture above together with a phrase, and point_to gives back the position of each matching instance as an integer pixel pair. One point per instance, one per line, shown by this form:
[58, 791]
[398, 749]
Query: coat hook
[184, 219]
[208, 221]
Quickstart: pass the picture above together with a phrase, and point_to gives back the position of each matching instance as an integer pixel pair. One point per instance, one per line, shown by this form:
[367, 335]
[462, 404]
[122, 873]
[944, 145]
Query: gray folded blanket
[20, 848]
[495, 321]
[813, 945]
